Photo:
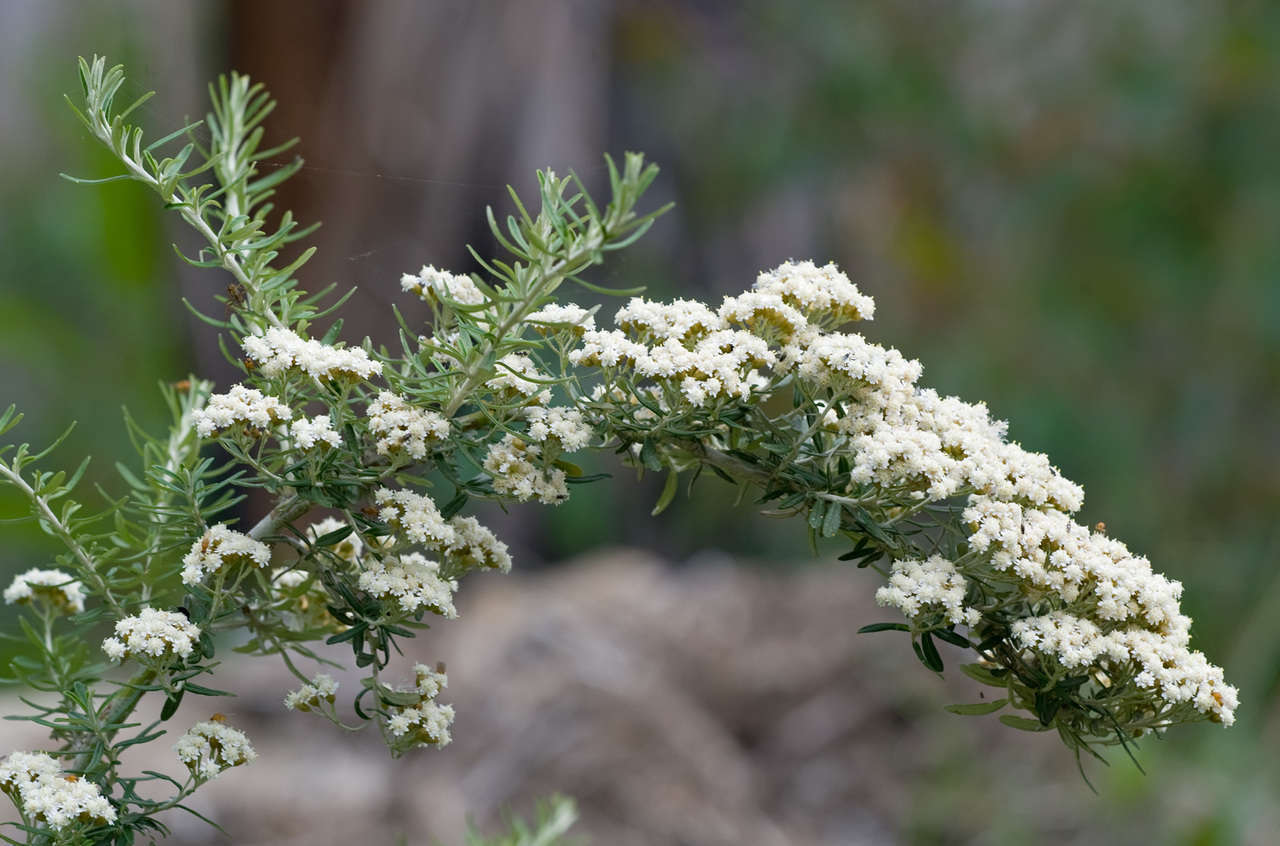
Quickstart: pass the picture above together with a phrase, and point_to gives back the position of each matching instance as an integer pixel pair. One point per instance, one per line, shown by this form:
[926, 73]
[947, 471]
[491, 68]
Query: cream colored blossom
[211, 747]
[240, 406]
[412, 581]
[430, 283]
[46, 794]
[401, 427]
[321, 689]
[514, 467]
[219, 547]
[918, 586]
[53, 586]
[317, 431]
[278, 350]
[415, 515]
[152, 634]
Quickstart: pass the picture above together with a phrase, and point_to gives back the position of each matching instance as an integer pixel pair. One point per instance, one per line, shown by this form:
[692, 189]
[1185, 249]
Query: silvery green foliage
[370, 459]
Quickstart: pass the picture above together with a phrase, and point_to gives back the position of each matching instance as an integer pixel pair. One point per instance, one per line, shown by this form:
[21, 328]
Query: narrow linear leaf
[978, 708]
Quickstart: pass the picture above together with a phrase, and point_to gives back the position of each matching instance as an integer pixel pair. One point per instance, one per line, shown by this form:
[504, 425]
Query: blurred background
[1066, 209]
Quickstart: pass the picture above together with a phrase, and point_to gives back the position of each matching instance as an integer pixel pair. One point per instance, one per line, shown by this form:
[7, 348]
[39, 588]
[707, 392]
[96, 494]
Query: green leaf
[884, 627]
[952, 638]
[831, 523]
[985, 675]
[929, 653]
[454, 505]
[668, 493]
[817, 513]
[1022, 723]
[978, 708]
[649, 456]
[171, 705]
[335, 537]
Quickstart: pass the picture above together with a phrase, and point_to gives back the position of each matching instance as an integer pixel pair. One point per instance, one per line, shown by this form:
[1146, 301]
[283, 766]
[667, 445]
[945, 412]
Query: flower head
[425, 723]
[411, 580]
[315, 432]
[403, 428]
[210, 747]
[322, 688]
[219, 547]
[37, 785]
[441, 285]
[152, 635]
[278, 350]
[416, 515]
[52, 586]
[246, 407]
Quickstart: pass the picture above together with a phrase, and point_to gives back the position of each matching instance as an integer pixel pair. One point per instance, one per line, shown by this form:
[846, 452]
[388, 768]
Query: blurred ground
[710, 705]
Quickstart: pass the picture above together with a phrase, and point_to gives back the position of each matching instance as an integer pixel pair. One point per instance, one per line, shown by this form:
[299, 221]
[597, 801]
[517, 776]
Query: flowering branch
[371, 459]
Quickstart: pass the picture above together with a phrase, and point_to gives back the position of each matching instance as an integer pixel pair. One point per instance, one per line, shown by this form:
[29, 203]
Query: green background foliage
[1065, 209]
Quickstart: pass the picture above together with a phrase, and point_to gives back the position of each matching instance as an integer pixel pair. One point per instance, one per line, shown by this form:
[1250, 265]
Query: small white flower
[510, 465]
[411, 580]
[210, 747]
[819, 291]
[565, 426]
[476, 546]
[322, 688]
[247, 407]
[218, 547]
[317, 431]
[399, 426]
[569, 315]
[53, 586]
[278, 350]
[516, 374]
[47, 795]
[152, 634]
[416, 515]
[430, 283]
[678, 321]
[916, 586]
[426, 723]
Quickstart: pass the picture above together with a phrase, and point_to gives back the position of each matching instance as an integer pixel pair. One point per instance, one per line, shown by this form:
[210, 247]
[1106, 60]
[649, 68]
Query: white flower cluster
[426, 723]
[1119, 613]
[37, 785]
[476, 546]
[400, 427]
[152, 634]
[415, 515]
[322, 688]
[515, 468]
[915, 586]
[210, 747]
[820, 292]
[1105, 606]
[316, 431]
[218, 547]
[518, 465]
[280, 349]
[462, 541]
[430, 283]
[695, 353]
[565, 426]
[555, 316]
[412, 580]
[53, 586]
[681, 320]
[517, 376]
[240, 405]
